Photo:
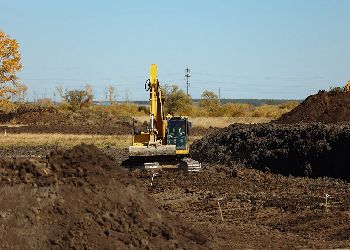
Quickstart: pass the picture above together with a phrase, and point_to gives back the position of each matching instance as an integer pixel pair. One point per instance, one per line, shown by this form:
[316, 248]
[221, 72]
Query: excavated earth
[37, 119]
[82, 199]
[325, 107]
[311, 140]
[309, 149]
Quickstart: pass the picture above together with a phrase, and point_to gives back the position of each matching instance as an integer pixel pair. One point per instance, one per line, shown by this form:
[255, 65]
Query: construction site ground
[283, 184]
[259, 209]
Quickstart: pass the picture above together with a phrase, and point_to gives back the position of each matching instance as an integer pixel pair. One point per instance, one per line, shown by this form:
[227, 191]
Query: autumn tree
[77, 99]
[10, 64]
[210, 102]
[176, 100]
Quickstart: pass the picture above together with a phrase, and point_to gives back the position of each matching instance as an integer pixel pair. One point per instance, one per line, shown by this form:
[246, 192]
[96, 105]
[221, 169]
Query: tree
[127, 95]
[176, 100]
[10, 64]
[78, 99]
[209, 101]
[60, 92]
[111, 95]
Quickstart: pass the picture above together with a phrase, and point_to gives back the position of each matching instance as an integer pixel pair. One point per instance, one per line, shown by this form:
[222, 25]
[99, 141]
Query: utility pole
[219, 97]
[187, 75]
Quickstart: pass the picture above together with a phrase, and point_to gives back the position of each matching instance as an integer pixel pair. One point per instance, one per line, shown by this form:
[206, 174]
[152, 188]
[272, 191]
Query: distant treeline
[254, 102]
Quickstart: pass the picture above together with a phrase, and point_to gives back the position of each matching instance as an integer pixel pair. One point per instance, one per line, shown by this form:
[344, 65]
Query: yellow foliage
[198, 112]
[7, 106]
[288, 105]
[270, 111]
[236, 109]
[244, 110]
[10, 64]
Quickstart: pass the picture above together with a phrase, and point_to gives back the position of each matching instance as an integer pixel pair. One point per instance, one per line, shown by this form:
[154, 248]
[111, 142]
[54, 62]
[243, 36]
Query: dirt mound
[123, 128]
[88, 202]
[303, 150]
[28, 114]
[326, 107]
[42, 119]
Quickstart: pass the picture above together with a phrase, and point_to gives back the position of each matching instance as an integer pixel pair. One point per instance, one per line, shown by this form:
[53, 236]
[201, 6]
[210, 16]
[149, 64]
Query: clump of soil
[325, 107]
[87, 201]
[304, 150]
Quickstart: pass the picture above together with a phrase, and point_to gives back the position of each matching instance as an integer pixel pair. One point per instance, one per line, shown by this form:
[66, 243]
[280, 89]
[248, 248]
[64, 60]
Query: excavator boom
[153, 141]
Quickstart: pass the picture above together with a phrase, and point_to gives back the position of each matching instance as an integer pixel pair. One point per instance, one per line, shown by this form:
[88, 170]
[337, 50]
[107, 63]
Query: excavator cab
[177, 133]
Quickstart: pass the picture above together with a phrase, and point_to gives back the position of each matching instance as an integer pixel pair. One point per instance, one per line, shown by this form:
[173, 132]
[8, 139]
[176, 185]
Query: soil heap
[82, 199]
[310, 149]
[325, 107]
[46, 119]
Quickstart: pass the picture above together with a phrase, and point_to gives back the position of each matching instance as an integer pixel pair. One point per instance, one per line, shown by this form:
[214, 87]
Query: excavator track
[166, 163]
[192, 165]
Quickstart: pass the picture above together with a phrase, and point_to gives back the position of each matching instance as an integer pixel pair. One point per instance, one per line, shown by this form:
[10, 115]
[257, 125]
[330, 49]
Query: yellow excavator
[347, 87]
[165, 143]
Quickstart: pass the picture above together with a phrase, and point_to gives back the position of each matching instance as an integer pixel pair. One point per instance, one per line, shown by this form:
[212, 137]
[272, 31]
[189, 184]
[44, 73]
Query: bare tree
[127, 95]
[60, 92]
[111, 94]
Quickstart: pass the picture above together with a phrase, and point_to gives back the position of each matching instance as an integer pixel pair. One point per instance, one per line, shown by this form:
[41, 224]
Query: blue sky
[249, 49]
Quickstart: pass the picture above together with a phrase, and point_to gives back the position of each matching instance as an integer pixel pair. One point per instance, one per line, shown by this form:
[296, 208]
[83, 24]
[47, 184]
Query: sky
[271, 49]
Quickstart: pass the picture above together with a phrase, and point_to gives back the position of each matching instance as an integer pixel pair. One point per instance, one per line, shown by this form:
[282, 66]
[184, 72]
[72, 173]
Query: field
[264, 184]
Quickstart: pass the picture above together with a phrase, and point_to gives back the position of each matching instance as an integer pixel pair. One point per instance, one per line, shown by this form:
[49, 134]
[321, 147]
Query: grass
[64, 140]
[218, 122]
[68, 140]
[234, 113]
[221, 122]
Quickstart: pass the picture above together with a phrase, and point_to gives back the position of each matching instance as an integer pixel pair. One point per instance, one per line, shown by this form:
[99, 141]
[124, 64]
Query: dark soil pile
[29, 114]
[326, 107]
[122, 128]
[86, 201]
[304, 150]
[42, 119]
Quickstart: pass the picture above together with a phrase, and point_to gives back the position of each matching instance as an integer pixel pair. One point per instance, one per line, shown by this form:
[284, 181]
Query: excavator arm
[153, 141]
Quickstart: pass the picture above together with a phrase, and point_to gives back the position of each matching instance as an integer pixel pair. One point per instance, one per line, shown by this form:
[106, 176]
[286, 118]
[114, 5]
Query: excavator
[347, 87]
[165, 143]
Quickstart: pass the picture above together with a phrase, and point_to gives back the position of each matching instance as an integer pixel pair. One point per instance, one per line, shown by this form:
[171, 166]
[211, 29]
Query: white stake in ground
[326, 203]
[153, 175]
[222, 217]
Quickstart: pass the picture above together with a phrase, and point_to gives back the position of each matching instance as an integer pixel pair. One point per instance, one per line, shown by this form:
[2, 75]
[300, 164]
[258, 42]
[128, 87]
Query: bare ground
[260, 209]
